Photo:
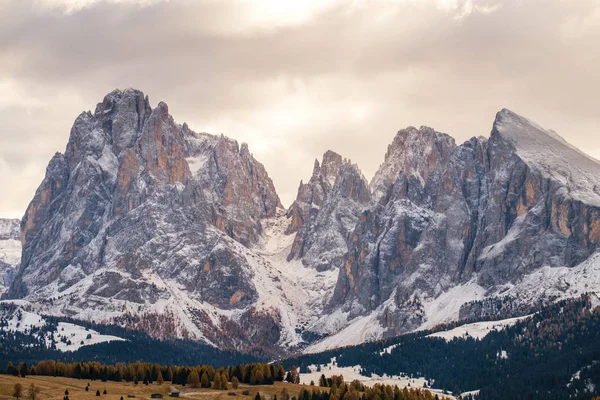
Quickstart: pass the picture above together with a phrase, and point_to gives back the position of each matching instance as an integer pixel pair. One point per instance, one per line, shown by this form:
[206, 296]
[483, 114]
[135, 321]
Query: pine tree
[159, 378]
[280, 373]
[98, 393]
[323, 381]
[235, 382]
[257, 397]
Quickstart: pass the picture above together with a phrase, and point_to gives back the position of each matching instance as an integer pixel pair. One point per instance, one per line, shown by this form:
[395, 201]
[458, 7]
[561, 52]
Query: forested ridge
[554, 354]
[31, 347]
[551, 355]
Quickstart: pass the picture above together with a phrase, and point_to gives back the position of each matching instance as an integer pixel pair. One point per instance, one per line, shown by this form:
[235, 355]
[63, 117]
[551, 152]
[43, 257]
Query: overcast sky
[295, 78]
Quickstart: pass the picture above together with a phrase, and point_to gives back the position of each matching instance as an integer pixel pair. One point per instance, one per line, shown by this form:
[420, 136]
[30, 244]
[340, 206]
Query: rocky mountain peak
[311, 195]
[143, 218]
[342, 191]
[130, 175]
[412, 155]
[547, 153]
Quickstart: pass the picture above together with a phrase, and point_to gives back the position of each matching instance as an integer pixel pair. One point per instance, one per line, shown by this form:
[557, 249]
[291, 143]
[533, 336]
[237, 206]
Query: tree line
[205, 376]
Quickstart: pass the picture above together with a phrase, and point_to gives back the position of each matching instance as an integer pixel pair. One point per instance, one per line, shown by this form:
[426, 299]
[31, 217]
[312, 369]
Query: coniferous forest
[554, 354]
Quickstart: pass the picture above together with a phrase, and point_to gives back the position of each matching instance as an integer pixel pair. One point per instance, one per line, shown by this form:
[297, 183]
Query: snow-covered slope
[476, 330]
[351, 374]
[552, 156]
[65, 337]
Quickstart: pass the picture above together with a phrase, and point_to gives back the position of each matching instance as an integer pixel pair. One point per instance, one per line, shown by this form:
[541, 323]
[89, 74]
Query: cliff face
[328, 207]
[144, 222]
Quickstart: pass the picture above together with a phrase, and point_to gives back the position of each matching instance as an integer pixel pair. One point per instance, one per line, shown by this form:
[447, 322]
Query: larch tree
[235, 382]
[205, 382]
[17, 391]
[33, 392]
[194, 379]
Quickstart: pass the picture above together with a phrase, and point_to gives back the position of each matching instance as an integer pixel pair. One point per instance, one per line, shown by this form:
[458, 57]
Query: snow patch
[477, 330]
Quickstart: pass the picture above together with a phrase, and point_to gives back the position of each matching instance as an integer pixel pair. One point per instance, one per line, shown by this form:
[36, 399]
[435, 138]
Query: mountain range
[142, 222]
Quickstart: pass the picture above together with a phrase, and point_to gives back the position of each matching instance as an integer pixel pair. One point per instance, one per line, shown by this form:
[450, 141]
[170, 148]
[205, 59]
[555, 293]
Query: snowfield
[67, 336]
[477, 330]
[353, 373]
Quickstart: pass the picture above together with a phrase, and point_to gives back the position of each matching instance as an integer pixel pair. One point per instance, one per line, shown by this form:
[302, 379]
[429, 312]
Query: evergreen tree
[159, 378]
[235, 383]
[323, 381]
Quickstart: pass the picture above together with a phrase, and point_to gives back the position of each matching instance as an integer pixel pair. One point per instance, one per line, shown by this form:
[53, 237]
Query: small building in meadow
[156, 396]
[174, 393]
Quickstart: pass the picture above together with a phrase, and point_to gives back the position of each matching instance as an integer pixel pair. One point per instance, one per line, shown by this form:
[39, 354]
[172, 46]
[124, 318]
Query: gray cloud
[344, 77]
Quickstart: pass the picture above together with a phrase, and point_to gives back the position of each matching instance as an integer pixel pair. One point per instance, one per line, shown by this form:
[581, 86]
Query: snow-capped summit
[548, 153]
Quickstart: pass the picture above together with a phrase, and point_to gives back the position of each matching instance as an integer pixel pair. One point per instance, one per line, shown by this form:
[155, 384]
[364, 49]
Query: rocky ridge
[144, 222]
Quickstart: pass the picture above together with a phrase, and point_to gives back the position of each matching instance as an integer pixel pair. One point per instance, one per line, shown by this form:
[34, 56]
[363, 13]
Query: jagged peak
[126, 96]
[413, 138]
[316, 169]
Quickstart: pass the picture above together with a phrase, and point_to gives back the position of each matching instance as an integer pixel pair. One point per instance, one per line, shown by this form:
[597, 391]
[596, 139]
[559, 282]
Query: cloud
[294, 79]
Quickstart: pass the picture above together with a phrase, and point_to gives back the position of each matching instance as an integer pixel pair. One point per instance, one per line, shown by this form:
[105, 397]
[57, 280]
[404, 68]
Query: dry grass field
[54, 388]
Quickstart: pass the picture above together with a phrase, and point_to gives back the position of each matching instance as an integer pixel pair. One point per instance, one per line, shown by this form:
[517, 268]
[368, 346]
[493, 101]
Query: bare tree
[33, 392]
[18, 390]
